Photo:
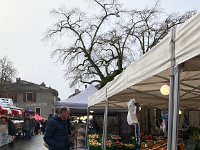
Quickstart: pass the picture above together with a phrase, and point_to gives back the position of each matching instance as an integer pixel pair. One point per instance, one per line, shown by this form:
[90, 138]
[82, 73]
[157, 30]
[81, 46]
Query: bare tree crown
[103, 45]
[7, 73]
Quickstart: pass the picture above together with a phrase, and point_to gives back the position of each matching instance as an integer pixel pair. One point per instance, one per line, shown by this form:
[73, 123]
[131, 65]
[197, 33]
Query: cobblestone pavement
[35, 143]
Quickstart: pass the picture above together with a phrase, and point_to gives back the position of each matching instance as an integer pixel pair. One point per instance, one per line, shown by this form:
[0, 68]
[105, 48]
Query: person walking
[37, 127]
[11, 131]
[44, 125]
[26, 127]
[57, 131]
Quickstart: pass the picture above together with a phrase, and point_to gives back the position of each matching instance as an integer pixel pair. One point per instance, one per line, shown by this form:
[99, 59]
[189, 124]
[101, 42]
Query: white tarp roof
[142, 79]
[79, 101]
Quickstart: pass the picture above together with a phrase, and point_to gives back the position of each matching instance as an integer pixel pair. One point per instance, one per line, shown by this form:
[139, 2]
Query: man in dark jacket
[57, 131]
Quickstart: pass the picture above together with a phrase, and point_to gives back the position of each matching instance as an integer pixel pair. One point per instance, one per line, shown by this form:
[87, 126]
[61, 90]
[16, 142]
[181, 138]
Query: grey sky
[22, 26]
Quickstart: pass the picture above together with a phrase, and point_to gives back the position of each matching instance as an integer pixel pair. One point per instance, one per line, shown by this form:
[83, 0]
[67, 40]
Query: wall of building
[44, 101]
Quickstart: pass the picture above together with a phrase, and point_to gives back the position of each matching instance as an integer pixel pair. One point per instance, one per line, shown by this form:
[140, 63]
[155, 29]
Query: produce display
[80, 130]
[118, 144]
[94, 143]
[158, 146]
[94, 136]
[130, 146]
[148, 142]
[114, 142]
[115, 137]
[109, 143]
[158, 143]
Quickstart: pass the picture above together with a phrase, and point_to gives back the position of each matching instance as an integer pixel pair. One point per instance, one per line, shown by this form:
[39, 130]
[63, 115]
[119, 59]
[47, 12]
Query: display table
[4, 137]
[80, 134]
[114, 142]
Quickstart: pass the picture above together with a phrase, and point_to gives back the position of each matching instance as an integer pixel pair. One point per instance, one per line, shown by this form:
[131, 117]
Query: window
[38, 111]
[29, 96]
[14, 97]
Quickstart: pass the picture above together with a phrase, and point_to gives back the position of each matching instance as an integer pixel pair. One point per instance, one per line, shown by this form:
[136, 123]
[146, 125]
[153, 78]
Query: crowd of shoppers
[32, 127]
[57, 130]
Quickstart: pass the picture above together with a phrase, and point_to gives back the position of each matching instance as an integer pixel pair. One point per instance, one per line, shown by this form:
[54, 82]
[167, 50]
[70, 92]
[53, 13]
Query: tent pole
[87, 126]
[176, 108]
[171, 94]
[104, 137]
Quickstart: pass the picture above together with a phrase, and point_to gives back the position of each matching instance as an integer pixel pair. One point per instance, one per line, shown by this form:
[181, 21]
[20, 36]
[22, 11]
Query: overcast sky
[22, 26]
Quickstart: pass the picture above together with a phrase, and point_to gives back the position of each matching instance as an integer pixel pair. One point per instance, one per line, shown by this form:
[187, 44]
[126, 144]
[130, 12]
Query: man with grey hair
[57, 131]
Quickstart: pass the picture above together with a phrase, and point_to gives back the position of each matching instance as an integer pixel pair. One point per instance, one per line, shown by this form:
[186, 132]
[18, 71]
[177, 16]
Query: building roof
[23, 85]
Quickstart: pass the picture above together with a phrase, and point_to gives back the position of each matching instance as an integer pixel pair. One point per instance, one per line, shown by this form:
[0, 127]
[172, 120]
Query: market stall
[78, 105]
[173, 61]
[8, 112]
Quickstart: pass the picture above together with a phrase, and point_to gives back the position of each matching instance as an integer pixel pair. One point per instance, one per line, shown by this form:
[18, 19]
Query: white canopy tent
[79, 101]
[142, 79]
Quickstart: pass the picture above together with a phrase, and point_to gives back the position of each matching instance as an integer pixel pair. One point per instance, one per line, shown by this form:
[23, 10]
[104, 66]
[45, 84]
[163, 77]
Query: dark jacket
[11, 128]
[56, 134]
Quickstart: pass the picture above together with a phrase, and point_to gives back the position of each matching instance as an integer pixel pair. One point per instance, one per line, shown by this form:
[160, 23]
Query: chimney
[77, 91]
[43, 84]
[85, 86]
[18, 80]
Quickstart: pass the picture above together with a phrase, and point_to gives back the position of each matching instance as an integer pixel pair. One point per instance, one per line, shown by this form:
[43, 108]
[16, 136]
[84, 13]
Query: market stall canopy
[29, 111]
[142, 79]
[38, 117]
[6, 111]
[16, 112]
[79, 101]
[6, 102]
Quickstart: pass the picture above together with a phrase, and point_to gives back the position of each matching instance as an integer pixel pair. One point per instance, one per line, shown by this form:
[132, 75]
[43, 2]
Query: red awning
[1, 108]
[38, 117]
[20, 112]
[15, 112]
[4, 111]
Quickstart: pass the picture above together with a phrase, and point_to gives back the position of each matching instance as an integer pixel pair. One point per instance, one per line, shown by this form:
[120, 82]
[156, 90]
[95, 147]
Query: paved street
[36, 143]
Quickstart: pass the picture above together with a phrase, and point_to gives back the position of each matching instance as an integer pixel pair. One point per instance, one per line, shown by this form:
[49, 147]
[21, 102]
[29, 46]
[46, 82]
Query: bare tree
[7, 73]
[104, 44]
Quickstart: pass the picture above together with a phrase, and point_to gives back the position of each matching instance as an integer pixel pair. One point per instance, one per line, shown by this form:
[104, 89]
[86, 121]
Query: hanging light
[164, 89]
[85, 117]
[140, 108]
[91, 111]
[81, 118]
[90, 117]
[180, 112]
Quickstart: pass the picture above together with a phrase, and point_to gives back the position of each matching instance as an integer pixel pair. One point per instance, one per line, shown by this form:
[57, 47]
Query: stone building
[38, 98]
